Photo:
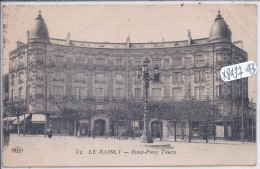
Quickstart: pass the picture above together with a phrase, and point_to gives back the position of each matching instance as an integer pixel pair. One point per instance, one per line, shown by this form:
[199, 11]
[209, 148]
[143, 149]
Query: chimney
[28, 36]
[189, 37]
[68, 38]
[128, 41]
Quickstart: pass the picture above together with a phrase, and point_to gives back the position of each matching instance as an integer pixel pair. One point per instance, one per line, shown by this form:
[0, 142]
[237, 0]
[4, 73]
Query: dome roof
[219, 31]
[39, 32]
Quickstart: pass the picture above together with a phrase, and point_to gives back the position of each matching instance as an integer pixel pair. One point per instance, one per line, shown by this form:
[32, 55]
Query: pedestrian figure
[49, 132]
[120, 134]
[78, 133]
[6, 138]
[126, 135]
[83, 132]
[93, 133]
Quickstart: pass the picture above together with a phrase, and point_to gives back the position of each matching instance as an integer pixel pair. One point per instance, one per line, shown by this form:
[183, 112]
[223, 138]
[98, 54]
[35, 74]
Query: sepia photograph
[128, 84]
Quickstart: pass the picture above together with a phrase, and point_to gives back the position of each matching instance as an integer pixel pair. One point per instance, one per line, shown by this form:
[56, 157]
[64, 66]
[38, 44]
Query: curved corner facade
[47, 72]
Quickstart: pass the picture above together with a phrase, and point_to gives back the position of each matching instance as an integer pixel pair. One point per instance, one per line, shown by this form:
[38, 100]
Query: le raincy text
[134, 152]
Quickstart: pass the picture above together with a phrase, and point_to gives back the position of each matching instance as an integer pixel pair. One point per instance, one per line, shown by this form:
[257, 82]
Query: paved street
[72, 151]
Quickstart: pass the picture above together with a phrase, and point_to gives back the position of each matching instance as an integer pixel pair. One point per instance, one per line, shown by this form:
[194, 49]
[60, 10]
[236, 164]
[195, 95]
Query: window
[79, 93]
[177, 94]
[218, 77]
[119, 93]
[20, 93]
[99, 107]
[137, 94]
[156, 62]
[100, 61]
[199, 75]
[80, 61]
[29, 91]
[80, 77]
[29, 75]
[12, 66]
[12, 95]
[218, 91]
[58, 92]
[39, 91]
[137, 62]
[100, 78]
[16, 63]
[156, 93]
[20, 78]
[119, 62]
[177, 62]
[39, 75]
[99, 93]
[177, 77]
[58, 73]
[219, 57]
[39, 58]
[119, 78]
[200, 93]
[136, 80]
[12, 80]
[39, 107]
[199, 60]
[58, 59]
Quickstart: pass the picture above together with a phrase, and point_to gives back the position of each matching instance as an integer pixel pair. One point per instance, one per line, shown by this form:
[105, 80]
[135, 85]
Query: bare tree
[135, 112]
[117, 112]
[74, 111]
[16, 109]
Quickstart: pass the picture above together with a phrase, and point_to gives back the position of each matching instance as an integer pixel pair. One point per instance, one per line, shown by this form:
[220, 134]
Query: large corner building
[47, 72]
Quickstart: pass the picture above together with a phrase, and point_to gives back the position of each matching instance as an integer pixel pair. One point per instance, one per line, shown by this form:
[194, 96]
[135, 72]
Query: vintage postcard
[127, 84]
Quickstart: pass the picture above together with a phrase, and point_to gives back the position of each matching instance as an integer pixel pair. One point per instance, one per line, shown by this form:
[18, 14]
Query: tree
[199, 111]
[135, 112]
[74, 111]
[116, 113]
[16, 109]
[158, 110]
[175, 113]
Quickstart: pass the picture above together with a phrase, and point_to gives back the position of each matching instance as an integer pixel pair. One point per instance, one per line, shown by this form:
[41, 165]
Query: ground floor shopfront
[102, 126]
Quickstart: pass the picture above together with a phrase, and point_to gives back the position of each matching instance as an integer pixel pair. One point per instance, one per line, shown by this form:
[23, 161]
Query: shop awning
[38, 118]
[9, 118]
[21, 118]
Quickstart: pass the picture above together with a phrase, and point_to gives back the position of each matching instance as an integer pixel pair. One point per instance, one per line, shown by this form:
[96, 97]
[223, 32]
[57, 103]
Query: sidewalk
[165, 141]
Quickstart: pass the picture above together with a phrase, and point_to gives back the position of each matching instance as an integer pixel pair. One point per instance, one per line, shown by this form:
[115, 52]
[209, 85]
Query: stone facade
[48, 72]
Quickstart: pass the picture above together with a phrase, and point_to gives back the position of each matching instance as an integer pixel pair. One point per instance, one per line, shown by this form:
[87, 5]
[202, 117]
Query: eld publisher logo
[17, 150]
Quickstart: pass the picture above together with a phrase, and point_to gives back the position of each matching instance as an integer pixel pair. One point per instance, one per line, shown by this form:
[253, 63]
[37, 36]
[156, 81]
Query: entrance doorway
[99, 127]
[157, 128]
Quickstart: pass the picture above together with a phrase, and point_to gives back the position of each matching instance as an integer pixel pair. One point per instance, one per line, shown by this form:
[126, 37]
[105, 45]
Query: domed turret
[39, 32]
[219, 31]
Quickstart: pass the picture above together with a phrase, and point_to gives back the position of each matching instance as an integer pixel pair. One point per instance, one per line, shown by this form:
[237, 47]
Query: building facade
[47, 72]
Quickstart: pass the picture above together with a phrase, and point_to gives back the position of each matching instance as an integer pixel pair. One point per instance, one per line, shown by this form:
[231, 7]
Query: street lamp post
[143, 74]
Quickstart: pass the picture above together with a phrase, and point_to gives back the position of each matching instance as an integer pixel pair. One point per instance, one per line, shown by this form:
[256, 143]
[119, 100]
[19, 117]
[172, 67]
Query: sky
[142, 22]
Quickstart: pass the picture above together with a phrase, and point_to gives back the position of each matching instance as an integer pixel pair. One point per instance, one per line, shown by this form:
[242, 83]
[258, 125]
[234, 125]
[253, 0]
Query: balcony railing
[119, 81]
[80, 80]
[39, 95]
[39, 62]
[98, 81]
[200, 80]
[39, 78]
[58, 79]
